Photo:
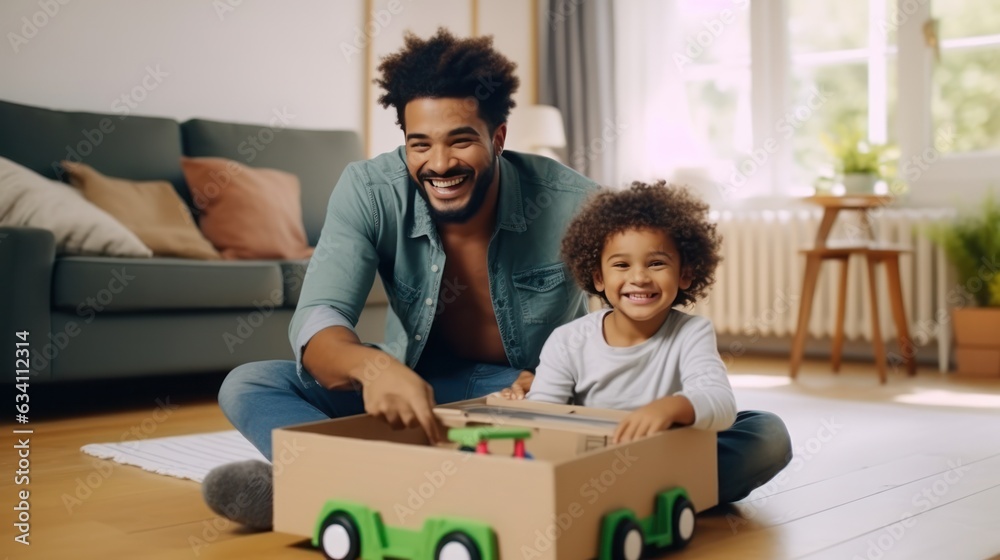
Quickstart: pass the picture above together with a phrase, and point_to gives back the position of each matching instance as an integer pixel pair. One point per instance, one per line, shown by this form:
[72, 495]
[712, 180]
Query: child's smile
[642, 298]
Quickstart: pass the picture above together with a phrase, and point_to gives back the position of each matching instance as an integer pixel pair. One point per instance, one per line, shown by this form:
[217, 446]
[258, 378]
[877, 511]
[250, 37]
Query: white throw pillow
[29, 200]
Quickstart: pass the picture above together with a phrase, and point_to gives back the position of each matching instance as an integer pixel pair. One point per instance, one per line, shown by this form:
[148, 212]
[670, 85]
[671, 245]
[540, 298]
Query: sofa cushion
[150, 209]
[247, 212]
[29, 200]
[317, 157]
[129, 345]
[89, 285]
[137, 148]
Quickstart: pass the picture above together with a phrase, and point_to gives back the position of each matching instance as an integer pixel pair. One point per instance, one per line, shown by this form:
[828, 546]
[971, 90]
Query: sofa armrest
[27, 257]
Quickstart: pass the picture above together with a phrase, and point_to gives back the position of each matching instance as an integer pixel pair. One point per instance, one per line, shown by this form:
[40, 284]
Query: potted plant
[972, 245]
[859, 163]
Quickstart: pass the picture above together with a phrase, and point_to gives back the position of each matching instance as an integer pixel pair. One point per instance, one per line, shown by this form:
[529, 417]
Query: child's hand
[520, 388]
[654, 417]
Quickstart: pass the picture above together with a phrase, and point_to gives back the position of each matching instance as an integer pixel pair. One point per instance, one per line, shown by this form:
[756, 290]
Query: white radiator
[759, 283]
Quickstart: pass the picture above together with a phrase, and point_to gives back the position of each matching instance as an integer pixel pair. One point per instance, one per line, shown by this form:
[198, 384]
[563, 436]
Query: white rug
[181, 456]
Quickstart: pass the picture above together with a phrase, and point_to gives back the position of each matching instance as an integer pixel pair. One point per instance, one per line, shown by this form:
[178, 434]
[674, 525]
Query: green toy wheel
[682, 522]
[457, 546]
[628, 541]
[340, 539]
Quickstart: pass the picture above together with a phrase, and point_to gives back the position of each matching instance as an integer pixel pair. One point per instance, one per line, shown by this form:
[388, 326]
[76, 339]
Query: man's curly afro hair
[659, 206]
[444, 66]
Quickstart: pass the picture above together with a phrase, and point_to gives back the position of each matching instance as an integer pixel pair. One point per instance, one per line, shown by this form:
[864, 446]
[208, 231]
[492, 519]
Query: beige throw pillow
[151, 209]
[29, 200]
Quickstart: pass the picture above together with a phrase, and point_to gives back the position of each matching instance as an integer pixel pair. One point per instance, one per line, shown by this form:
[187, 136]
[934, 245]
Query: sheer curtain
[651, 106]
[667, 104]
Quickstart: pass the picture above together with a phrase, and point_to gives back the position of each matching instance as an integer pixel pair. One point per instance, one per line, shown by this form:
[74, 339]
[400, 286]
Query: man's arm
[341, 271]
[332, 352]
[336, 286]
[320, 319]
[335, 356]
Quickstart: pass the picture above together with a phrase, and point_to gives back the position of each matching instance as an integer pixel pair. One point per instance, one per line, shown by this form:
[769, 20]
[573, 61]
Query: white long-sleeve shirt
[579, 367]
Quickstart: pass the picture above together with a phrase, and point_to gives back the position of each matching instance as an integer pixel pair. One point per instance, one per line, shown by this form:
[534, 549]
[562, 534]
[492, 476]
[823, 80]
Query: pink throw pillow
[246, 212]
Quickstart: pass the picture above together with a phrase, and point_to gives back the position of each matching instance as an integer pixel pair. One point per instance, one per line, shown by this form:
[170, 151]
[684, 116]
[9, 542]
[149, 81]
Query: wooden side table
[874, 255]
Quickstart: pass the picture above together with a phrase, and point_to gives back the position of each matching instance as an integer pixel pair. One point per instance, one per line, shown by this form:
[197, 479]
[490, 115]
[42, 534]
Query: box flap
[499, 411]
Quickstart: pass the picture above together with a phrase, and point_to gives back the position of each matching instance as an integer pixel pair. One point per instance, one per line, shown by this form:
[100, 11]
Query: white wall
[422, 17]
[513, 29]
[237, 60]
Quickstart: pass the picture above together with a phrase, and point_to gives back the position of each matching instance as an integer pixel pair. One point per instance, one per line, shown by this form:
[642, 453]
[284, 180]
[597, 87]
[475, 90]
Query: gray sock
[242, 492]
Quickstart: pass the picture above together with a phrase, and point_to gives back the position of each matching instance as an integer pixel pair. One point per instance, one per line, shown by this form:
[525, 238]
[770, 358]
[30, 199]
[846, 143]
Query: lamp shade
[535, 126]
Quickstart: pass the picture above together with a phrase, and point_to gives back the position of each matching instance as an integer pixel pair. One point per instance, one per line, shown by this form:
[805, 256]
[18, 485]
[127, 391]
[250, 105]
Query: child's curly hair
[671, 209]
[443, 66]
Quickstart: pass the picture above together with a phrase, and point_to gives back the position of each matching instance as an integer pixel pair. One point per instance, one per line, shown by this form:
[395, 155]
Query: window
[776, 74]
[966, 79]
[683, 92]
[843, 56]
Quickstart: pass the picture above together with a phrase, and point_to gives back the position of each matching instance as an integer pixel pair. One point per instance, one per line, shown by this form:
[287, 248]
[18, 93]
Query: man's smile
[445, 183]
[447, 187]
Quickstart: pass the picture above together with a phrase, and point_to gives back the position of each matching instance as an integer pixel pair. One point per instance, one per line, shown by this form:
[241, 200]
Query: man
[474, 280]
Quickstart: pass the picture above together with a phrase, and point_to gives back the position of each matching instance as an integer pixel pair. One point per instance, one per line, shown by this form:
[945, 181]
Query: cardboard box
[977, 340]
[549, 508]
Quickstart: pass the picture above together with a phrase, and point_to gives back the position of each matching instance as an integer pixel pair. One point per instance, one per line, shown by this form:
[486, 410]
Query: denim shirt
[377, 222]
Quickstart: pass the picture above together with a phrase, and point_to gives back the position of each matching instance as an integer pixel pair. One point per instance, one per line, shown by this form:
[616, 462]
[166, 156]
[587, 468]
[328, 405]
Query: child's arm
[655, 417]
[705, 401]
[551, 384]
[554, 381]
[521, 386]
[704, 381]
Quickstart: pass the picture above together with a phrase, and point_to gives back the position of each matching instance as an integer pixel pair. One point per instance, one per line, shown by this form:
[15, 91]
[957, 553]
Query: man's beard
[478, 197]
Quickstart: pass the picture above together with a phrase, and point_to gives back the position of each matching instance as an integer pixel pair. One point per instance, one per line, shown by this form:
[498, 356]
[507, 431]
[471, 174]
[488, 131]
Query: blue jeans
[262, 396]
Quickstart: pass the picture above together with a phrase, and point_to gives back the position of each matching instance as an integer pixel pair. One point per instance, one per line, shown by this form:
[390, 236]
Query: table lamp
[536, 129]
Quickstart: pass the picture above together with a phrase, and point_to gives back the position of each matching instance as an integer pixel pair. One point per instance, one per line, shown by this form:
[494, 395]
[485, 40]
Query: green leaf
[972, 244]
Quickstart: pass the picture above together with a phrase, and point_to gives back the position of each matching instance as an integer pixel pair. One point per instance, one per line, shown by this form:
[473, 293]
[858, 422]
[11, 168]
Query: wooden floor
[906, 470]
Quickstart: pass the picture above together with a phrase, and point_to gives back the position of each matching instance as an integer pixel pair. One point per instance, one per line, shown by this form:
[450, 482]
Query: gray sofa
[101, 317]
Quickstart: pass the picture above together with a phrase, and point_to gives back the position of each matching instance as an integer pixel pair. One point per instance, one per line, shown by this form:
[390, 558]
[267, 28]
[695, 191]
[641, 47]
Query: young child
[644, 251]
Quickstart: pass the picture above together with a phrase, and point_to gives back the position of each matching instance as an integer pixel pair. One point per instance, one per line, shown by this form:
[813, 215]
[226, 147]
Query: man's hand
[654, 417]
[336, 358]
[520, 388]
[403, 399]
